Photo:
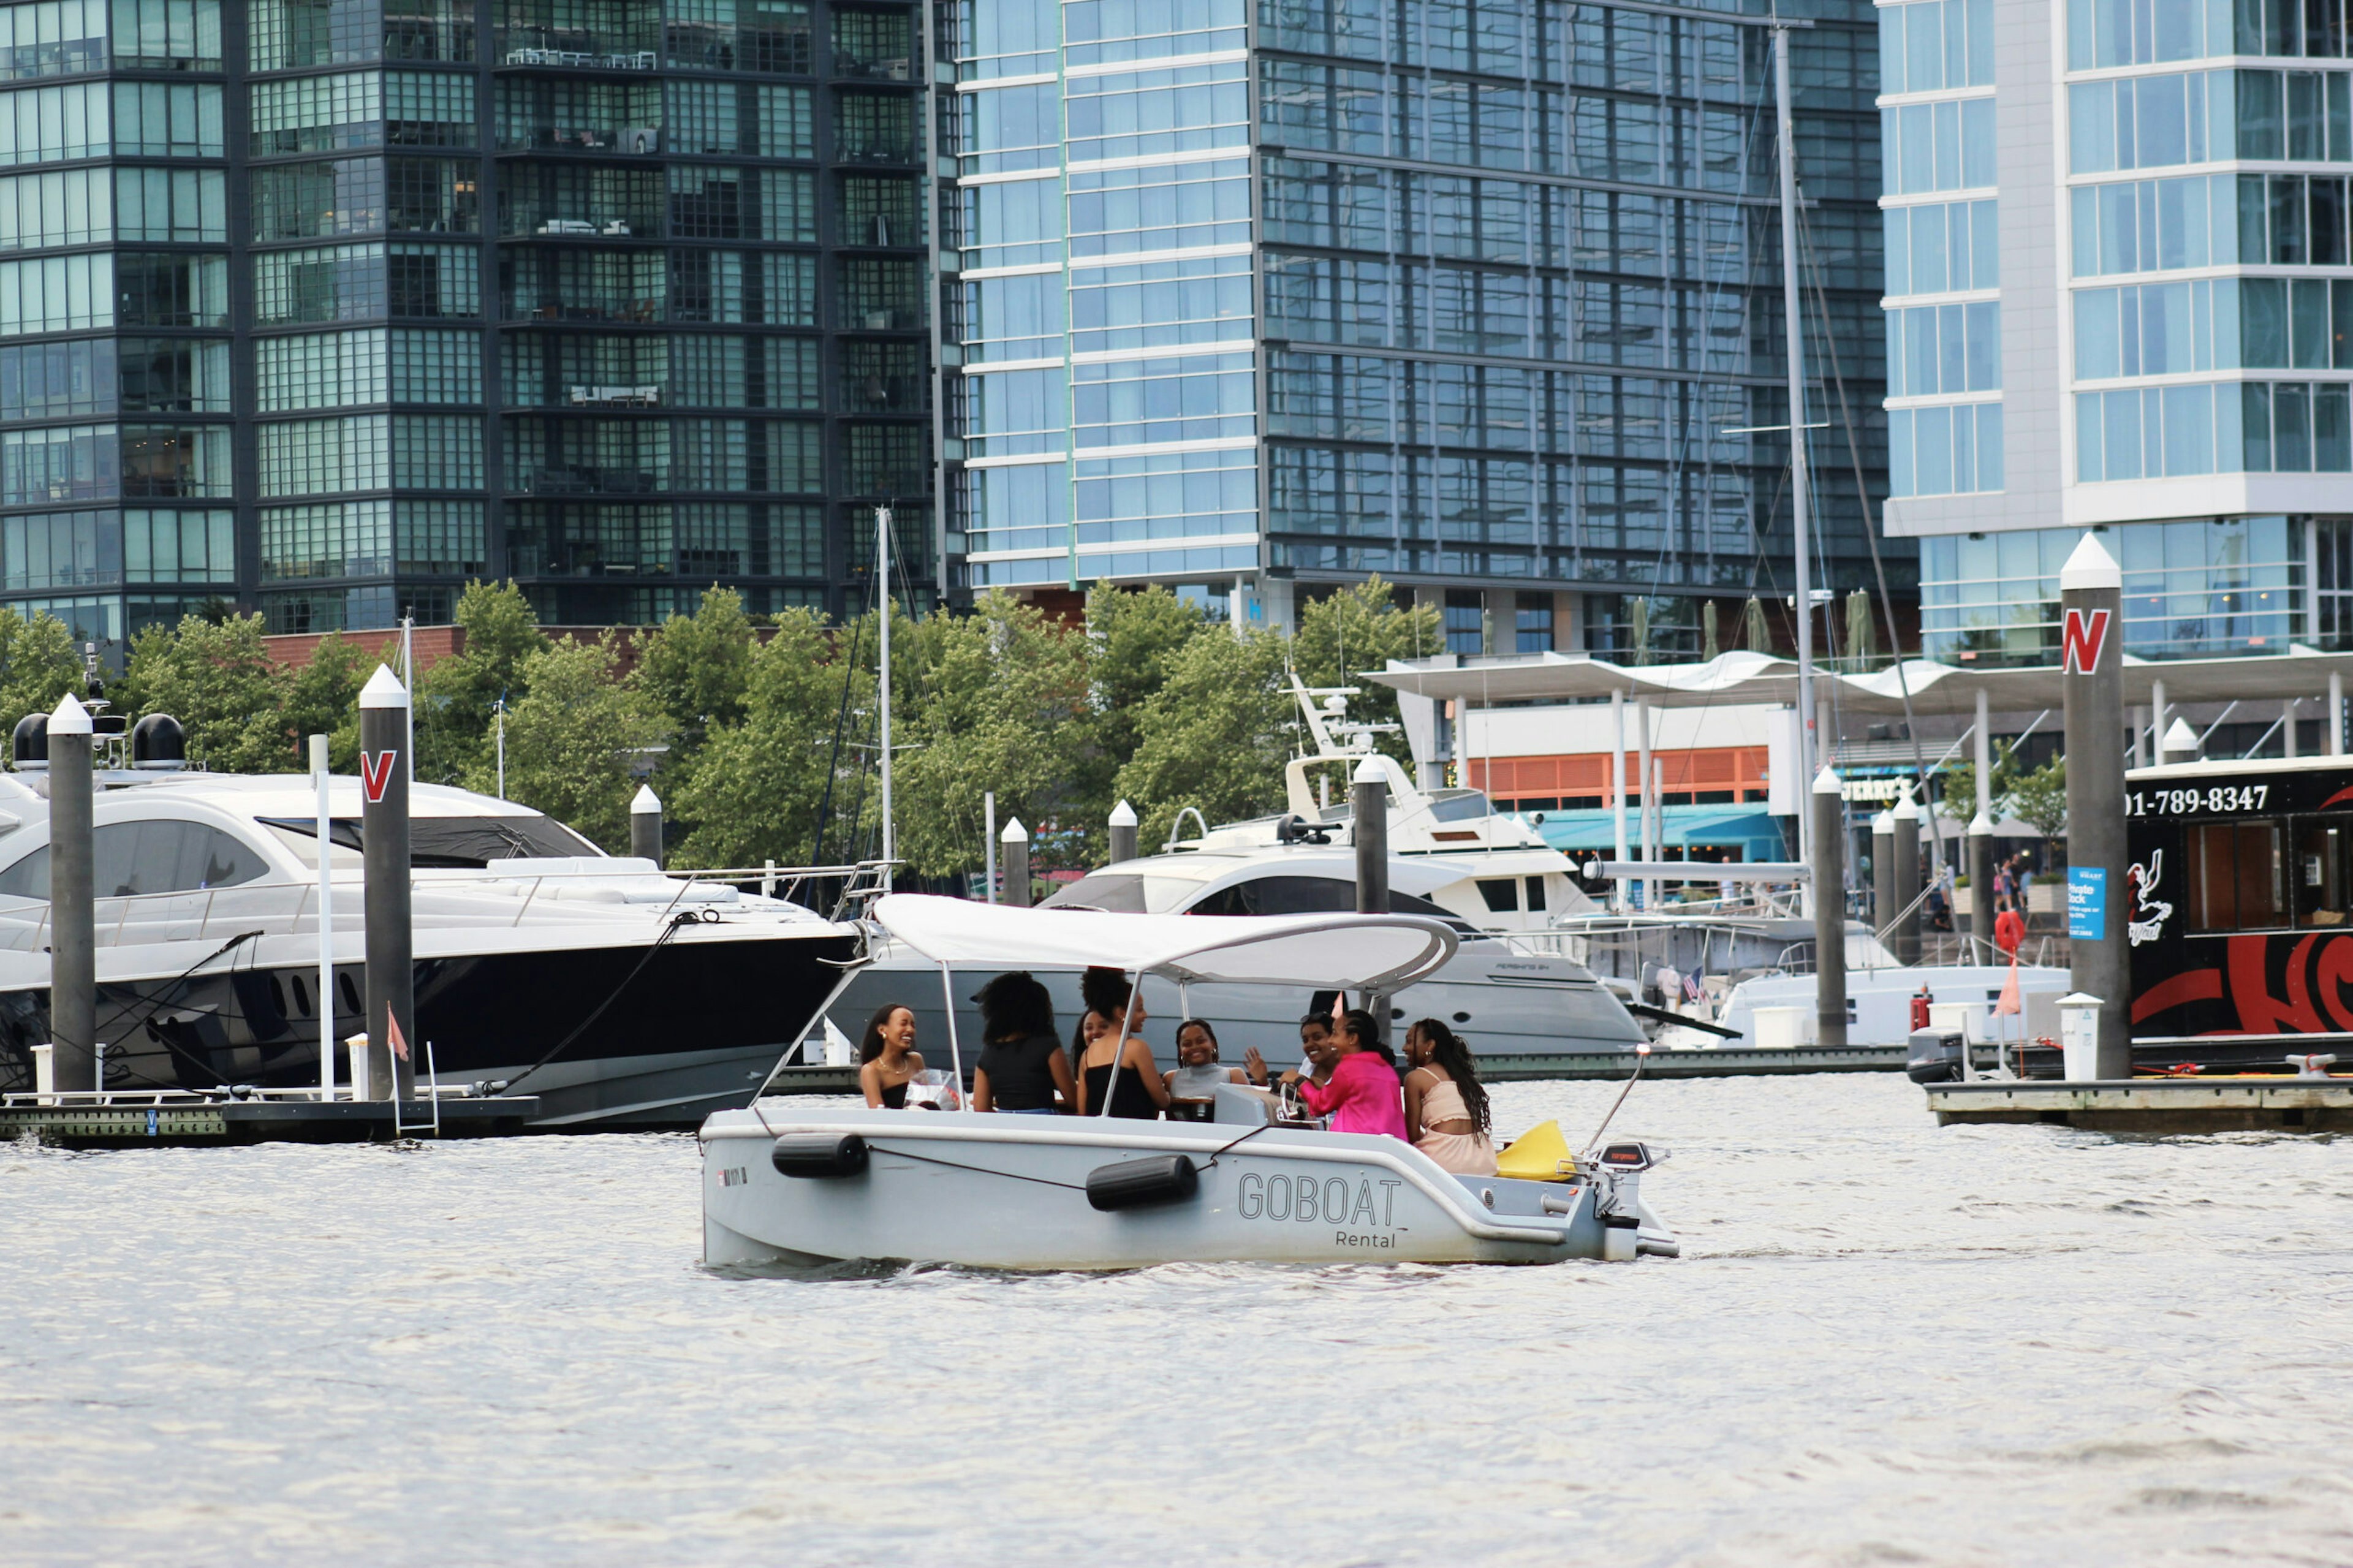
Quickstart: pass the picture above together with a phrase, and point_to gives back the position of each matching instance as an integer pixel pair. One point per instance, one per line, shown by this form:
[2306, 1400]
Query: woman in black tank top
[888, 1060]
[1139, 1093]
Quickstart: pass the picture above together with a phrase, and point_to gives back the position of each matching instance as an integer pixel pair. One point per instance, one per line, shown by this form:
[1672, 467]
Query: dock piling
[73, 943]
[1830, 912]
[1369, 832]
[1904, 844]
[384, 835]
[1016, 841]
[1123, 833]
[2091, 599]
[645, 825]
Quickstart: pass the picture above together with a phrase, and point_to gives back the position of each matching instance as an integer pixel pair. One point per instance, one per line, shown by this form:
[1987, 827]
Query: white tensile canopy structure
[1323, 953]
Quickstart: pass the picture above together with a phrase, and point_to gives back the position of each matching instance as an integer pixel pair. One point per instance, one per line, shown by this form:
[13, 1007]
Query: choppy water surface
[1886, 1342]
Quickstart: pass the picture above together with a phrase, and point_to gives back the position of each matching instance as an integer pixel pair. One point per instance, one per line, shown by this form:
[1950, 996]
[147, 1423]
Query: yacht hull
[641, 1035]
[1004, 1191]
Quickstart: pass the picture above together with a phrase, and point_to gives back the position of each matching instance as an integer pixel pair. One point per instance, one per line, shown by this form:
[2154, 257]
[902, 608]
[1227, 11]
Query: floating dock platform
[1540, 1067]
[2274, 1102]
[183, 1120]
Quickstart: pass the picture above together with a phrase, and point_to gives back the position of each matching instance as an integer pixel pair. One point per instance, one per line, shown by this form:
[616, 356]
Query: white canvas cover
[1318, 952]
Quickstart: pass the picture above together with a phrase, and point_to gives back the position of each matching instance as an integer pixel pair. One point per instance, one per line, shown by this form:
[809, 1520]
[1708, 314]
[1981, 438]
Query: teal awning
[1750, 830]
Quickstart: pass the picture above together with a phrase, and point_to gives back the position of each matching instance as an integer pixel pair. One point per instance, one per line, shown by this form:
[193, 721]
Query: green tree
[694, 670]
[752, 793]
[218, 679]
[1960, 785]
[1215, 737]
[993, 700]
[573, 739]
[2040, 798]
[38, 664]
[322, 699]
[1363, 627]
[455, 698]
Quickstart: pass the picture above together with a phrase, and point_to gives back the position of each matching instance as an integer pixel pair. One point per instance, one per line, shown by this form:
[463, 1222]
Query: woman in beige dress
[1445, 1104]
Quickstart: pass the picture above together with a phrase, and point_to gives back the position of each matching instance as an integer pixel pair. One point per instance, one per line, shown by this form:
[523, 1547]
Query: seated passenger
[888, 1060]
[1362, 1095]
[1317, 1052]
[1445, 1104]
[1022, 1068]
[1137, 1092]
[1193, 1083]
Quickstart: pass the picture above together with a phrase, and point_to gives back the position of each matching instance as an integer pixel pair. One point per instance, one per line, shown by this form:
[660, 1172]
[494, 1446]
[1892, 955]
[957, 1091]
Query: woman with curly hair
[1445, 1104]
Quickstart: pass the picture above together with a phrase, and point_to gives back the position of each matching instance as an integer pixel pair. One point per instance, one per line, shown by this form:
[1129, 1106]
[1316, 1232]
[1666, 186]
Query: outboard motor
[158, 743]
[1618, 1200]
[29, 745]
[1935, 1056]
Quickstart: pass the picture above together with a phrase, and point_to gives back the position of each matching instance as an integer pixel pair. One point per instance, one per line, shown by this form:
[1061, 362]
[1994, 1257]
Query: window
[2103, 33]
[155, 291]
[166, 35]
[326, 457]
[173, 375]
[1947, 247]
[788, 206]
[171, 206]
[54, 37]
[2320, 869]
[1946, 146]
[1943, 43]
[2161, 226]
[49, 124]
[165, 119]
[1532, 621]
[60, 207]
[330, 538]
[50, 381]
[2144, 122]
[1465, 621]
[1500, 894]
[1951, 450]
[1944, 349]
[2235, 881]
[138, 859]
[1302, 896]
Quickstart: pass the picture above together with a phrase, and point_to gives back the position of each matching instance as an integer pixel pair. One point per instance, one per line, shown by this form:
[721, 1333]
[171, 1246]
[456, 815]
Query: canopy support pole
[1111, 1084]
[955, 1052]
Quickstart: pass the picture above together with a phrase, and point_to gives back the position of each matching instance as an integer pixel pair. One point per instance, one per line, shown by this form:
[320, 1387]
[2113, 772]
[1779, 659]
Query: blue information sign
[2087, 902]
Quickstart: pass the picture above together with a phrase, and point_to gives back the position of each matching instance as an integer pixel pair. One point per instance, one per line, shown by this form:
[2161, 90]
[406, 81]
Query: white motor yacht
[617, 995]
[784, 1181]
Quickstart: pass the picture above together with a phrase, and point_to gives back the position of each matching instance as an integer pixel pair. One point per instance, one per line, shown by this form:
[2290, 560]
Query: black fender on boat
[819, 1154]
[1137, 1183]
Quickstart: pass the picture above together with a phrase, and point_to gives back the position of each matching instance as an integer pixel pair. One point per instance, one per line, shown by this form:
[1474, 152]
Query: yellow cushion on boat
[1539, 1154]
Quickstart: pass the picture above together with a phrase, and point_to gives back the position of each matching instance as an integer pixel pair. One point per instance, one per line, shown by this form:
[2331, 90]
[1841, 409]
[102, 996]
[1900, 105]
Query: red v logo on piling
[2081, 638]
[375, 773]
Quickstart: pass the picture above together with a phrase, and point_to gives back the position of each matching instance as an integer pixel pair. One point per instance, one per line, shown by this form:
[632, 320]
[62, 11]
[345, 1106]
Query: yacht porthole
[1486, 1195]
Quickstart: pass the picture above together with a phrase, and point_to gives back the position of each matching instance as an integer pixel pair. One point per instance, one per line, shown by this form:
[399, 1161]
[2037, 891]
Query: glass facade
[2203, 232]
[1465, 293]
[324, 306]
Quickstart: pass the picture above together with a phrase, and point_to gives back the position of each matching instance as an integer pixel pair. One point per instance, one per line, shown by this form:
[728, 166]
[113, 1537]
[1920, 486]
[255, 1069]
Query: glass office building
[1484, 296]
[323, 307]
[2116, 237]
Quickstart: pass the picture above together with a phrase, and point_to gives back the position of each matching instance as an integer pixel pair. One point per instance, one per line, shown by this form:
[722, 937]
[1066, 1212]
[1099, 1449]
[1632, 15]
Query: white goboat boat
[784, 1182]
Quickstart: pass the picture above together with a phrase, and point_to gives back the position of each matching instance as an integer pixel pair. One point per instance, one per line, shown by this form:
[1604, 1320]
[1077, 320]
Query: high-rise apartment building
[325, 306]
[2118, 298]
[1252, 296]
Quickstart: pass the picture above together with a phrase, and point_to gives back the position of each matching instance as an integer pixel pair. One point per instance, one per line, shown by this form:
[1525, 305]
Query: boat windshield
[1459, 806]
[1119, 892]
[462, 843]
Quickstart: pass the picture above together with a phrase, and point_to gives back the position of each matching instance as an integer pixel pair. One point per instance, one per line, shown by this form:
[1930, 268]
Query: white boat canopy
[1313, 952]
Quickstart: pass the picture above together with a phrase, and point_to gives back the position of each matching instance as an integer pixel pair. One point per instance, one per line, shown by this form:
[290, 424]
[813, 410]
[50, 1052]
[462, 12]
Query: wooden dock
[2205, 1104]
[1541, 1066]
[182, 1119]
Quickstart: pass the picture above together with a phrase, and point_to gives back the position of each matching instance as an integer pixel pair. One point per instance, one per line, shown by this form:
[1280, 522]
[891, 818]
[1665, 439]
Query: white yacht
[1490, 876]
[618, 995]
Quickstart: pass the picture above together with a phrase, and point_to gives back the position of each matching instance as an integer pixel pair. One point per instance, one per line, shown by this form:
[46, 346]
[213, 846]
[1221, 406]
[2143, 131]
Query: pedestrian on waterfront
[2005, 881]
[1364, 1095]
[1022, 1068]
[1135, 1090]
[1445, 1103]
[888, 1060]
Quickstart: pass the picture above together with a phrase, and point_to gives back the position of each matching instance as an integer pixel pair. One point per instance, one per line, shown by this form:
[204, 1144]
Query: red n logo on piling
[375, 773]
[2081, 639]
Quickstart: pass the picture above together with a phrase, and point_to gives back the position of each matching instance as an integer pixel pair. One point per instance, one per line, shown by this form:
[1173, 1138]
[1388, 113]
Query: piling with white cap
[73, 943]
[385, 848]
[2180, 744]
[1368, 830]
[1830, 910]
[1883, 903]
[645, 825]
[2092, 679]
[1905, 845]
[1123, 833]
[1015, 840]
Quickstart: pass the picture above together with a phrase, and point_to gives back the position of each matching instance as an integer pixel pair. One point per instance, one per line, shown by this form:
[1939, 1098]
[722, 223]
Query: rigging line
[1871, 537]
[157, 999]
[982, 1170]
[833, 760]
[677, 922]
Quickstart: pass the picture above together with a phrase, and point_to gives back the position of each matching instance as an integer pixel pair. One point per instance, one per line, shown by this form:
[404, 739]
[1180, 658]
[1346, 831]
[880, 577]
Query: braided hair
[1453, 1057]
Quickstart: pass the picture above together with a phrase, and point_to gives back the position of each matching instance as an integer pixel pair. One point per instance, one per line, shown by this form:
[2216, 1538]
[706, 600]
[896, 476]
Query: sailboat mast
[882, 598]
[1808, 742]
